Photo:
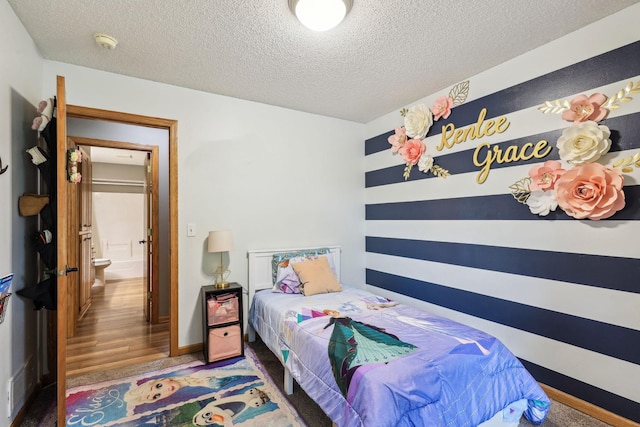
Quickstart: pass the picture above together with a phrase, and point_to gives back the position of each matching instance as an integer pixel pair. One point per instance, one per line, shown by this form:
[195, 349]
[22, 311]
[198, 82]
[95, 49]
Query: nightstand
[222, 322]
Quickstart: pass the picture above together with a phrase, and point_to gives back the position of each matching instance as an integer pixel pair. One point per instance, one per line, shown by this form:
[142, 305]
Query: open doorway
[116, 318]
[118, 221]
[95, 122]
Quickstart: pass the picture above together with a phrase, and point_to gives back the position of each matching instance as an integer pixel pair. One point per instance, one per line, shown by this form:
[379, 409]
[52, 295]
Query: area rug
[235, 392]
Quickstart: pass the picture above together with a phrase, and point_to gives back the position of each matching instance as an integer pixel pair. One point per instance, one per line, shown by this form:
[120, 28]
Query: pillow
[287, 281]
[279, 258]
[316, 277]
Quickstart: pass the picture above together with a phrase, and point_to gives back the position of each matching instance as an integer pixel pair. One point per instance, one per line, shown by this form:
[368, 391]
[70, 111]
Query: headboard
[260, 267]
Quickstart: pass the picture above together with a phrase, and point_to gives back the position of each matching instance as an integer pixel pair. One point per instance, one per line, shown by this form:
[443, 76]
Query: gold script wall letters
[451, 136]
[513, 153]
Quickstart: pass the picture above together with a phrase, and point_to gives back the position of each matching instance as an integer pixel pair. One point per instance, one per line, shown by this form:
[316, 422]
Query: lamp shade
[220, 241]
[320, 15]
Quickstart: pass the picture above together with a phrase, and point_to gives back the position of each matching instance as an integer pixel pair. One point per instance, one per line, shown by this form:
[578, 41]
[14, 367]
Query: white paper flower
[425, 163]
[584, 143]
[542, 202]
[417, 121]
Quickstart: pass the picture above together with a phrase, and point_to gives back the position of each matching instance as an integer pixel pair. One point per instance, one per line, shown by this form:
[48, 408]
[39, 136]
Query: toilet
[100, 265]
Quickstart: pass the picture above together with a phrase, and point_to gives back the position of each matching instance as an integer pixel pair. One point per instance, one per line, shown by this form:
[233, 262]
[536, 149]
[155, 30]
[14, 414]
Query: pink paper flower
[412, 150]
[398, 140]
[583, 108]
[442, 107]
[590, 191]
[544, 176]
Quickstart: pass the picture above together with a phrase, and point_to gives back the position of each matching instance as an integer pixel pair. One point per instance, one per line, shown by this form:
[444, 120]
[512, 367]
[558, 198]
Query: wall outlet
[191, 230]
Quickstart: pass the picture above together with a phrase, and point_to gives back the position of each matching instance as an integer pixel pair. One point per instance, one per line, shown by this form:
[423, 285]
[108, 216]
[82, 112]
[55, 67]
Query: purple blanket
[456, 375]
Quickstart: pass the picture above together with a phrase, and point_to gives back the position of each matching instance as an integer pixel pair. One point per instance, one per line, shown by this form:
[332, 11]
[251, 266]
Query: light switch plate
[191, 230]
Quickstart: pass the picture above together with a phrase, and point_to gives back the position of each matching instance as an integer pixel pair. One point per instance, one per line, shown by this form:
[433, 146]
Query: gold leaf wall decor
[439, 171]
[555, 107]
[407, 171]
[613, 103]
[459, 93]
[520, 190]
[628, 163]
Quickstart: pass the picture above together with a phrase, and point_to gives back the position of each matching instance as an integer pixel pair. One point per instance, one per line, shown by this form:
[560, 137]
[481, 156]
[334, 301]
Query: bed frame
[260, 278]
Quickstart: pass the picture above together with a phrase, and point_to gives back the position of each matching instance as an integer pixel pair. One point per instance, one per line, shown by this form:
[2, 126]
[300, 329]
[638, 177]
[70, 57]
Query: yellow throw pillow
[316, 277]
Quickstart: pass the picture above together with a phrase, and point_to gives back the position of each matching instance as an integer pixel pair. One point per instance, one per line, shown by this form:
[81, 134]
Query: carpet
[235, 392]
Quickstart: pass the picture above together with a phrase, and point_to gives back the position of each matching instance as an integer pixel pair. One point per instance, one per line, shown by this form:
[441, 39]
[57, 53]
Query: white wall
[20, 90]
[276, 177]
[118, 220]
[117, 227]
[470, 287]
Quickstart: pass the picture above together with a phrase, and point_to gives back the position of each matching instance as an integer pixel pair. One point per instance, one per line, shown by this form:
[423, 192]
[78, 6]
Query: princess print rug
[235, 392]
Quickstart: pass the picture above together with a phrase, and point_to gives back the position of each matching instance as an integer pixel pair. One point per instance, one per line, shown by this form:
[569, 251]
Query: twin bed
[369, 361]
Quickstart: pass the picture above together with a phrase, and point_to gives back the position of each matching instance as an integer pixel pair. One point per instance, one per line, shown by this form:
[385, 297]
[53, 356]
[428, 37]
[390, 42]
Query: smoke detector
[105, 41]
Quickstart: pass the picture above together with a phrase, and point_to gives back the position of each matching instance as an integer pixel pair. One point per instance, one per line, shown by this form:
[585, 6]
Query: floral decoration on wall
[74, 156]
[579, 183]
[408, 140]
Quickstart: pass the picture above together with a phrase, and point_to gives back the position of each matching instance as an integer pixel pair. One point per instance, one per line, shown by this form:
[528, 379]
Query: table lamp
[220, 241]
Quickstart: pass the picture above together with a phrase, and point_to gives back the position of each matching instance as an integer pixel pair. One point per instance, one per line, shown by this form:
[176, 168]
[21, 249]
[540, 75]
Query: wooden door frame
[172, 127]
[155, 223]
[61, 316]
[150, 214]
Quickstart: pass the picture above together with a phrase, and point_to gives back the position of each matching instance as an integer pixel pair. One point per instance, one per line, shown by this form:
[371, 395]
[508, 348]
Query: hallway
[114, 332]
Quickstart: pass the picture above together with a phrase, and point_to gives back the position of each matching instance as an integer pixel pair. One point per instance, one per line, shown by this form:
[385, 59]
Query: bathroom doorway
[120, 237]
[121, 324]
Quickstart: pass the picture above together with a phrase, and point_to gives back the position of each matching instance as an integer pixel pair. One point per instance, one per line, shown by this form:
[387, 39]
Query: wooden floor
[114, 333]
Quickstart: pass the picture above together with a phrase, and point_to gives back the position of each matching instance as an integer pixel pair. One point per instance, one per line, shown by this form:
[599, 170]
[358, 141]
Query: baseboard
[588, 408]
[187, 349]
[27, 405]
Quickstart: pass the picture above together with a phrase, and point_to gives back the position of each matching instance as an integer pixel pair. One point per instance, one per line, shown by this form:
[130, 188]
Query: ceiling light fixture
[320, 15]
[105, 41]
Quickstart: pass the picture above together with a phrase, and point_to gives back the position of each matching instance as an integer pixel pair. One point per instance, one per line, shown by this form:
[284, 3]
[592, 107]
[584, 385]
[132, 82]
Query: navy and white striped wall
[563, 294]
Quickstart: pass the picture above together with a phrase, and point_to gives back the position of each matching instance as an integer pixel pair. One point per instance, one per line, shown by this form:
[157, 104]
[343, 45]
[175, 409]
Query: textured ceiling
[385, 54]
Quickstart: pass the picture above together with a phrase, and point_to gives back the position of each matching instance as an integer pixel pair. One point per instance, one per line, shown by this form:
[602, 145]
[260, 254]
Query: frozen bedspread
[380, 363]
